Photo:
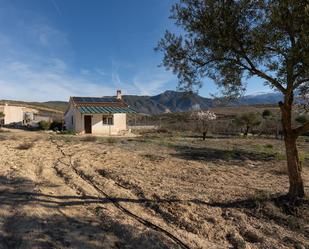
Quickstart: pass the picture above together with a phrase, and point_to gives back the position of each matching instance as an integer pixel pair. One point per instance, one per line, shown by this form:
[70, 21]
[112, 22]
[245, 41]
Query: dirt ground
[154, 191]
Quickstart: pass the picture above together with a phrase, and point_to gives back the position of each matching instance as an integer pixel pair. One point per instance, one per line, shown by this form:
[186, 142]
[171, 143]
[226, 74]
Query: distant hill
[172, 101]
[51, 106]
[168, 101]
[262, 98]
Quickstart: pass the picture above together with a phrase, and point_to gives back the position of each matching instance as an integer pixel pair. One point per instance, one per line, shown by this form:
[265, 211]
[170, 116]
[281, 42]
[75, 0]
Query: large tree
[231, 40]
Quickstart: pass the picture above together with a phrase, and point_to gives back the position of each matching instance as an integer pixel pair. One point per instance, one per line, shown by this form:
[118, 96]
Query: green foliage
[2, 115]
[228, 40]
[249, 120]
[44, 125]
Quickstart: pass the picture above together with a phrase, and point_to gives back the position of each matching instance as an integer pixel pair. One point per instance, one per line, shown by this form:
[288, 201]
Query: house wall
[120, 124]
[13, 114]
[68, 119]
[78, 121]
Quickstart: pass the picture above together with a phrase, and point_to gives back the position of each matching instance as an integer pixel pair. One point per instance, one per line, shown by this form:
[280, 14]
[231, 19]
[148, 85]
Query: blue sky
[53, 49]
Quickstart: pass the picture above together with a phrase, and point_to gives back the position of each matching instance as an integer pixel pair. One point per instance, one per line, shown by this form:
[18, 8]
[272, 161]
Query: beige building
[97, 115]
[12, 114]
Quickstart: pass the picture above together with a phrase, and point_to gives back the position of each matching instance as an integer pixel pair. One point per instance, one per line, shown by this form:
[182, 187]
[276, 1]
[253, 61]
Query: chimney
[118, 95]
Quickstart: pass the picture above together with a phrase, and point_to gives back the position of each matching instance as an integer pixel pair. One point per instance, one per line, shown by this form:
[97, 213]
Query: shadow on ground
[212, 154]
[53, 228]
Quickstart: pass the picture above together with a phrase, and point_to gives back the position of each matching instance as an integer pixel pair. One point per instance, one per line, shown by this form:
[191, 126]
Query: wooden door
[87, 124]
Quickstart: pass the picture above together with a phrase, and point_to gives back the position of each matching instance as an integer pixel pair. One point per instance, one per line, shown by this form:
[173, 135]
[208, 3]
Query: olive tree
[248, 120]
[231, 40]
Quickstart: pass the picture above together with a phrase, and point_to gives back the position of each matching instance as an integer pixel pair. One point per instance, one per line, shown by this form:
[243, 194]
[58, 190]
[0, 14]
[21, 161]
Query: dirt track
[69, 192]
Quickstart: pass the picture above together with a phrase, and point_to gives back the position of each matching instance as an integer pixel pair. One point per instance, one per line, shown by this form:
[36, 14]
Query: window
[72, 120]
[108, 120]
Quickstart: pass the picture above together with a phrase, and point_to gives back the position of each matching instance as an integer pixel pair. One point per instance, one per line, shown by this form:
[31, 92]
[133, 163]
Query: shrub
[56, 126]
[44, 125]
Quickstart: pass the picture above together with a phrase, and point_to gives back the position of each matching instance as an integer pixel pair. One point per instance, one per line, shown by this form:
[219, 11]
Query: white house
[97, 115]
[12, 114]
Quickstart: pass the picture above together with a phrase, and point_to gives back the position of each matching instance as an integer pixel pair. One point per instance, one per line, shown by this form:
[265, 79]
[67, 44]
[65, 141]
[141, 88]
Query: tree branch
[264, 75]
[298, 83]
[302, 129]
[256, 71]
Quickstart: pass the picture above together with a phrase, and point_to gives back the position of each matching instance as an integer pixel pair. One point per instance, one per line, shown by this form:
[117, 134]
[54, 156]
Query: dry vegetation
[160, 190]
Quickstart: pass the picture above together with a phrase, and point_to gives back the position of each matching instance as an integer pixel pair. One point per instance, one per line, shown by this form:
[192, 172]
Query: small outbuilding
[97, 115]
[12, 114]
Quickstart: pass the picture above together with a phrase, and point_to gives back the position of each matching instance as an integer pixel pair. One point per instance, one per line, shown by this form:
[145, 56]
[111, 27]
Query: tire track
[126, 211]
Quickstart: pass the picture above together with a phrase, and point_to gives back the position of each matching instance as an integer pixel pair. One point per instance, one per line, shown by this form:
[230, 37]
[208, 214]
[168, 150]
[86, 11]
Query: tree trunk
[204, 136]
[294, 168]
[246, 131]
[296, 189]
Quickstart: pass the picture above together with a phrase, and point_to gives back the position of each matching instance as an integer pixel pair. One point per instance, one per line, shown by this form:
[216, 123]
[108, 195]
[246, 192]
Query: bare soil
[154, 191]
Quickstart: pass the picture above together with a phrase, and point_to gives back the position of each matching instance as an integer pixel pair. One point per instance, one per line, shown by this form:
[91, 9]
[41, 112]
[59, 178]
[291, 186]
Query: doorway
[88, 124]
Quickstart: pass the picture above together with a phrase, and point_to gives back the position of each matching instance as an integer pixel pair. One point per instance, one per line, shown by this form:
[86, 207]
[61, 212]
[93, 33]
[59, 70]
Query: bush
[56, 126]
[44, 125]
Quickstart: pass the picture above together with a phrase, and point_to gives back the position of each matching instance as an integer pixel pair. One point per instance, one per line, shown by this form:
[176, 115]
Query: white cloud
[22, 81]
[33, 68]
[152, 82]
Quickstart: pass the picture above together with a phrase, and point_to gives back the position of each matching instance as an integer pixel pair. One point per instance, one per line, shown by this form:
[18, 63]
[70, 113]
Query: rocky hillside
[172, 101]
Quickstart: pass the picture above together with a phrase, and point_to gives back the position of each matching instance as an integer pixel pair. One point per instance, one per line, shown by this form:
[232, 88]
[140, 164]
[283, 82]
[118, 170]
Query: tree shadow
[292, 214]
[58, 230]
[53, 228]
[212, 154]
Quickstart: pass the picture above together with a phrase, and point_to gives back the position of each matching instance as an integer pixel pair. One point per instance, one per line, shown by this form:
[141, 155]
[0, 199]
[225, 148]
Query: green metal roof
[105, 109]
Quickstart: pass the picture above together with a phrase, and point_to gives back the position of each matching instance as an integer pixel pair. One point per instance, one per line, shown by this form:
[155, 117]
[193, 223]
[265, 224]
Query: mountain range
[168, 101]
[172, 101]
